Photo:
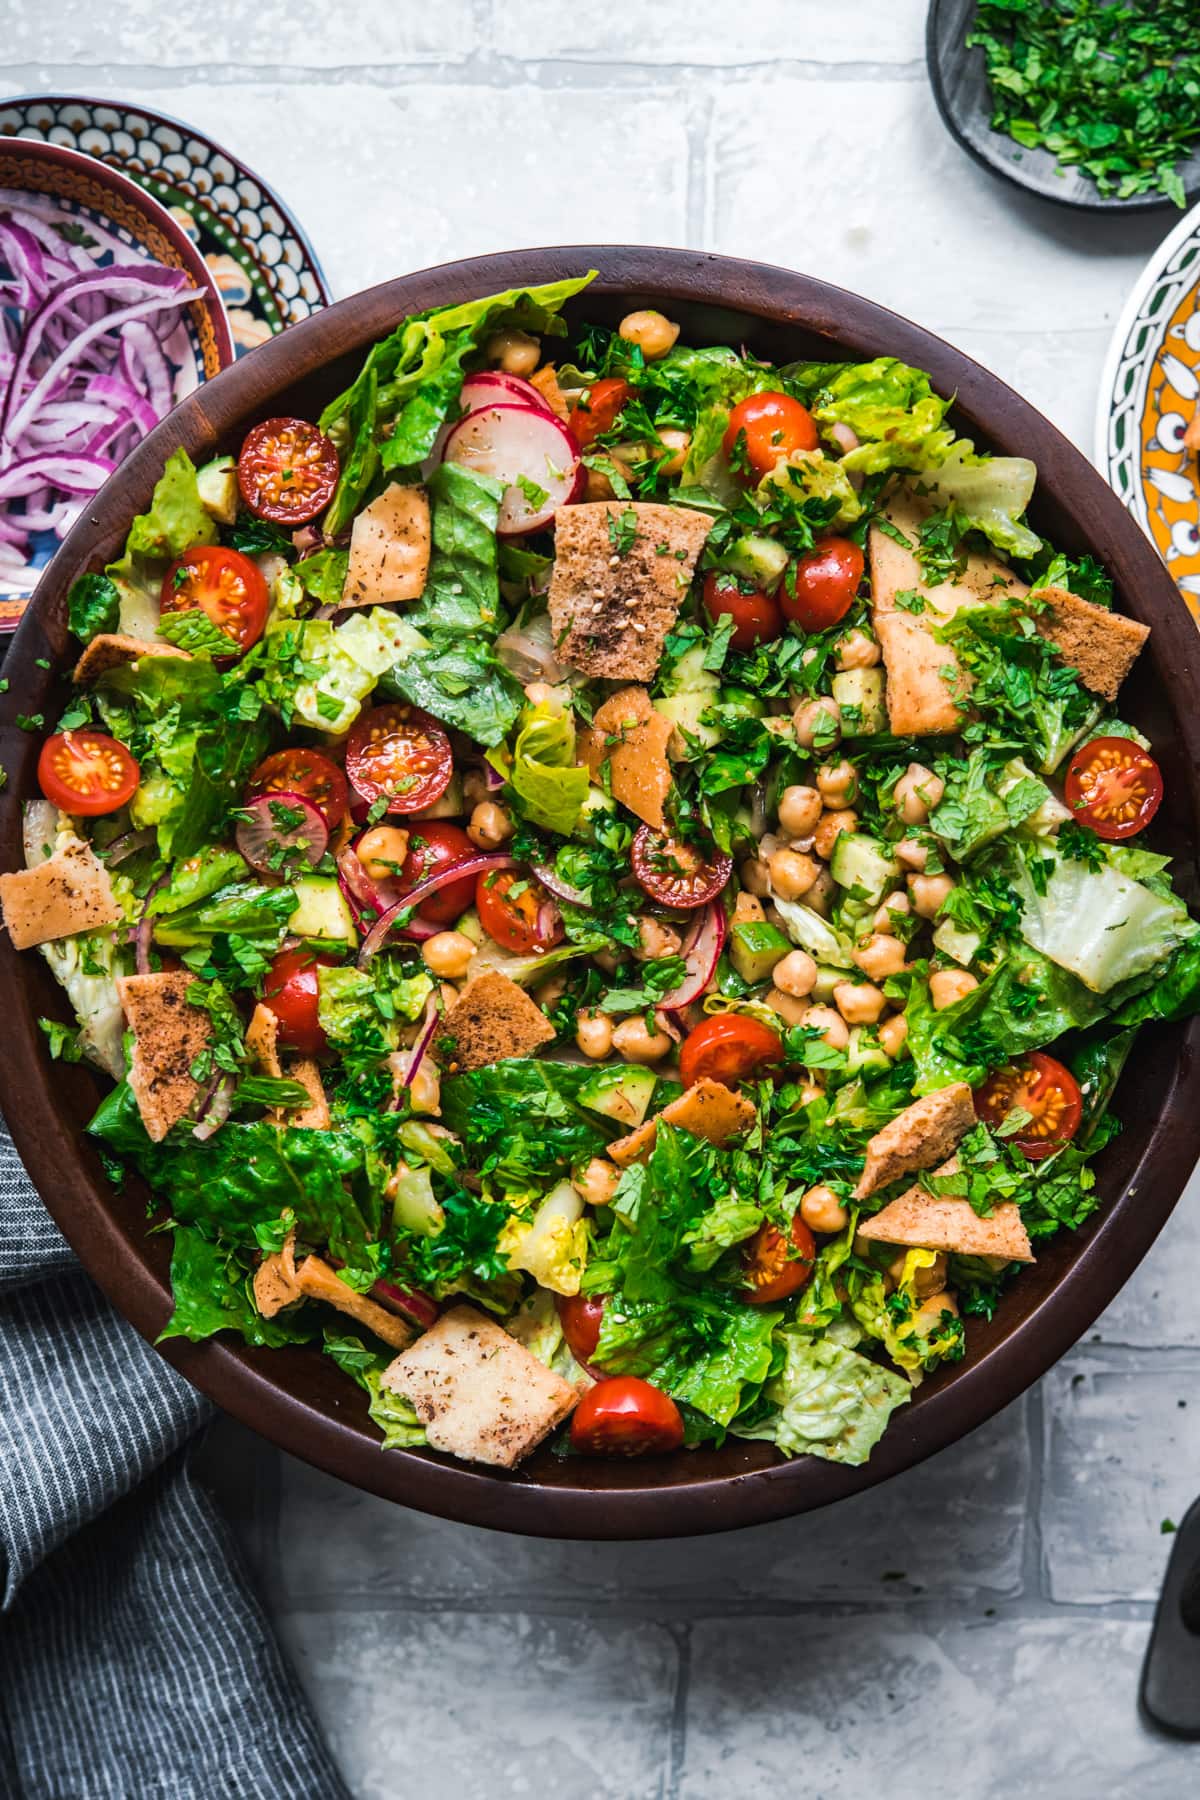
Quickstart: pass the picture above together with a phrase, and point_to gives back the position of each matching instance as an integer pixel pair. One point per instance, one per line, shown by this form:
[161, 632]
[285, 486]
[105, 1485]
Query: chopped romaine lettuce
[830, 1401]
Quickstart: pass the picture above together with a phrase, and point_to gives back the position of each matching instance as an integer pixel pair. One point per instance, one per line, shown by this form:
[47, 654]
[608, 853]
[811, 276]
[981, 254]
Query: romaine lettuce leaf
[1027, 1002]
[462, 591]
[831, 1402]
[706, 1355]
[93, 606]
[177, 521]
[889, 406]
[991, 492]
[525, 1113]
[1097, 923]
[210, 1283]
[395, 1415]
[810, 475]
[542, 772]
[461, 683]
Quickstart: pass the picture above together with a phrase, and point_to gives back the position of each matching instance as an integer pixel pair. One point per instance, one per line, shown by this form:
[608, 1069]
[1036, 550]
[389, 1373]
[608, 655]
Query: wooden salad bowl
[296, 1396]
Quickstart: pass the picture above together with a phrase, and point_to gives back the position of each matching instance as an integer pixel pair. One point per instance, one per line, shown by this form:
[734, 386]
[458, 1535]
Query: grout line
[677, 1741]
[1033, 1564]
[478, 68]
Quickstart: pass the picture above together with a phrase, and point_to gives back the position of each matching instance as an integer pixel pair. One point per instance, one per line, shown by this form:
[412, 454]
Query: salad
[609, 881]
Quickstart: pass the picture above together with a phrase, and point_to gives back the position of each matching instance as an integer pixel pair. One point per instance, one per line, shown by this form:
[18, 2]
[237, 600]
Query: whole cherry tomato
[728, 1047]
[580, 1316]
[87, 772]
[1114, 786]
[225, 586]
[819, 588]
[764, 429]
[757, 618]
[1040, 1085]
[776, 1265]
[291, 992]
[626, 1416]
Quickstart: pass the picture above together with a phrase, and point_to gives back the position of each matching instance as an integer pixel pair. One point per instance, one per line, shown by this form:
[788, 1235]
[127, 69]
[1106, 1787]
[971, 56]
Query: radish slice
[378, 896]
[215, 1109]
[514, 444]
[492, 387]
[408, 1303]
[701, 949]
[278, 832]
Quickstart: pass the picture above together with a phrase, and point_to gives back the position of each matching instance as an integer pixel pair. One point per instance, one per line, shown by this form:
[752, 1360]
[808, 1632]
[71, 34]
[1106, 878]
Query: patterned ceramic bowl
[87, 192]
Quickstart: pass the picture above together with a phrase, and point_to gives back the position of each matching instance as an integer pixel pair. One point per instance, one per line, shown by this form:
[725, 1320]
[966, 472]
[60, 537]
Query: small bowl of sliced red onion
[108, 318]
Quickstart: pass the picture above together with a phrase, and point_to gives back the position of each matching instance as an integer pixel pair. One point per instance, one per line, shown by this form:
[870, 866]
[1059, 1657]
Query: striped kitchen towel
[135, 1661]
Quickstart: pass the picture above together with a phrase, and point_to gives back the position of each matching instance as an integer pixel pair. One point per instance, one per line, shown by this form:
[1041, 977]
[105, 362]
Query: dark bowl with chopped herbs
[1094, 104]
[760, 1372]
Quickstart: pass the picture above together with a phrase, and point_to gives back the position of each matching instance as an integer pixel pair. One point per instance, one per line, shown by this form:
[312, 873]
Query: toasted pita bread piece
[546, 383]
[273, 1287]
[921, 1136]
[631, 736]
[927, 690]
[169, 1034]
[492, 1019]
[316, 1115]
[389, 549]
[262, 1041]
[479, 1394]
[317, 1281]
[616, 590]
[69, 892]
[112, 650]
[1102, 646]
[924, 1221]
[708, 1110]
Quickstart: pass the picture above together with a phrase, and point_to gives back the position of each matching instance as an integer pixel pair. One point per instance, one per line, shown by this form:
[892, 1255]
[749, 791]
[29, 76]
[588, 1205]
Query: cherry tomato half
[756, 616]
[515, 912]
[597, 411]
[1114, 786]
[87, 772]
[675, 874]
[287, 471]
[291, 992]
[625, 1416]
[819, 589]
[580, 1316]
[728, 1047]
[763, 429]
[304, 772]
[400, 754]
[1040, 1085]
[226, 587]
[776, 1266]
[433, 846]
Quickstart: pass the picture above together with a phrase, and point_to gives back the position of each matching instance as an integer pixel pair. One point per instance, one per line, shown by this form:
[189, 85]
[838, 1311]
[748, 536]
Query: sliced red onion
[493, 779]
[417, 928]
[267, 844]
[215, 1109]
[144, 931]
[554, 884]
[844, 437]
[128, 844]
[550, 929]
[408, 1303]
[423, 1040]
[701, 949]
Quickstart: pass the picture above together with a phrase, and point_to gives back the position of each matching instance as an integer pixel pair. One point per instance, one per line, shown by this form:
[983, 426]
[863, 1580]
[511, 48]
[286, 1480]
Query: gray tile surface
[974, 1630]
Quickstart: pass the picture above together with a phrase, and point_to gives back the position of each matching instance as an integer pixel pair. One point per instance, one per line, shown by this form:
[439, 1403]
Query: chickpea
[748, 909]
[515, 351]
[792, 873]
[382, 850]
[817, 718]
[857, 651]
[796, 974]
[656, 940]
[638, 1045]
[912, 853]
[678, 443]
[879, 955]
[822, 1211]
[947, 986]
[891, 907]
[425, 1089]
[594, 1034]
[893, 1035]
[838, 783]
[820, 895]
[929, 893]
[448, 953]
[928, 1315]
[830, 830]
[792, 1009]
[810, 1091]
[475, 787]
[540, 693]
[833, 1028]
[859, 1002]
[490, 826]
[925, 1282]
[608, 960]
[597, 1183]
[651, 331]
[753, 877]
[799, 811]
[917, 792]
